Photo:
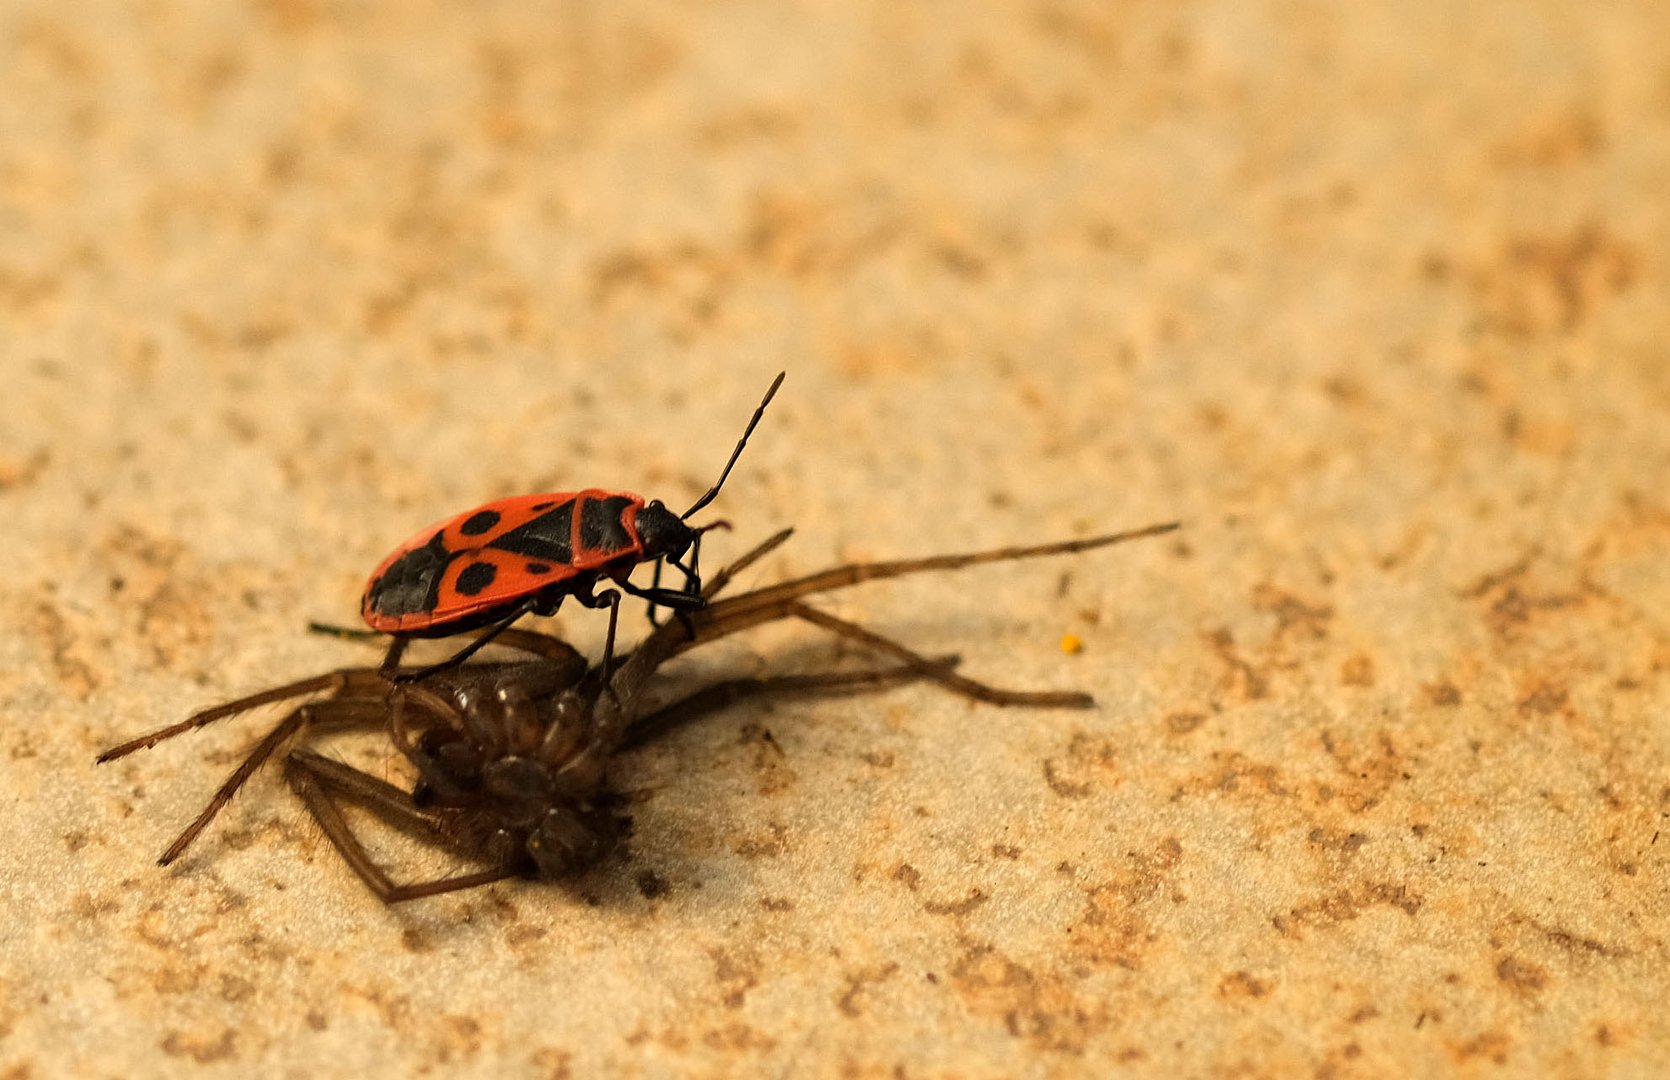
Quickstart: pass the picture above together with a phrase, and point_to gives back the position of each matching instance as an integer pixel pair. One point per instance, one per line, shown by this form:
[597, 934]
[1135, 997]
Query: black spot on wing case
[475, 578]
[479, 522]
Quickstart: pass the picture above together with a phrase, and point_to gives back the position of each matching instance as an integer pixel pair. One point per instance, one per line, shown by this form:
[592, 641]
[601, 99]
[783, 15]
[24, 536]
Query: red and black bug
[489, 566]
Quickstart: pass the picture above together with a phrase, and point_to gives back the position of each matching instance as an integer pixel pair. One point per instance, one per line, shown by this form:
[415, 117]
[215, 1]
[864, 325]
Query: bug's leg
[609, 638]
[841, 577]
[482, 641]
[817, 684]
[632, 674]
[1062, 699]
[654, 586]
[676, 599]
[530, 641]
[391, 659]
[692, 584]
[681, 604]
[345, 633]
[278, 736]
[609, 598]
[693, 572]
[315, 779]
[692, 590]
[335, 681]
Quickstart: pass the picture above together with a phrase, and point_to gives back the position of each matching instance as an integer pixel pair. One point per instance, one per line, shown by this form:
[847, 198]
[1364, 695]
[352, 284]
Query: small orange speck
[1071, 644]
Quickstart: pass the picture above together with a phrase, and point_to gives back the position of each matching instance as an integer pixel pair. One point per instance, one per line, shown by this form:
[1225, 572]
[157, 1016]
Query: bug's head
[664, 532]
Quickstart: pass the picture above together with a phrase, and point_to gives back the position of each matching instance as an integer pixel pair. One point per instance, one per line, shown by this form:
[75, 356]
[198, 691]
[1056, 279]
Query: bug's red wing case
[497, 554]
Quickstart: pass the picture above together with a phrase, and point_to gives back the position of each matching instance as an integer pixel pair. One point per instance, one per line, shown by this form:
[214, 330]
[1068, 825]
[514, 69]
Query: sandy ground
[1371, 296]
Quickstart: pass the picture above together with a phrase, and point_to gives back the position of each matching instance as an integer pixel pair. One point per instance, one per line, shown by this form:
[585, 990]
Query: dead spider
[511, 757]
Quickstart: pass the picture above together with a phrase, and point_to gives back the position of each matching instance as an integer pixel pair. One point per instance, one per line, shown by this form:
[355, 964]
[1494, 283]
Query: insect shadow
[511, 757]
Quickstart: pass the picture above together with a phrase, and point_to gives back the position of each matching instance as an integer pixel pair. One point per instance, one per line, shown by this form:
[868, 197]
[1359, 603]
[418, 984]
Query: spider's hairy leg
[723, 578]
[958, 684]
[841, 577]
[345, 680]
[728, 692]
[319, 782]
[354, 711]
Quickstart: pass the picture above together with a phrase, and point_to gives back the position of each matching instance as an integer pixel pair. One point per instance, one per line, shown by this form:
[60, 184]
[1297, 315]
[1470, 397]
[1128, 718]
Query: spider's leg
[335, 681]
[546, 646]
[677, 599]
[281, 733]
[761, 550]
[957, 684]
[713, 628]
[361, 710]
[397, 699]
[316, 779]
[816, 684]
[774, 602]
[841, 577]
[623, 689]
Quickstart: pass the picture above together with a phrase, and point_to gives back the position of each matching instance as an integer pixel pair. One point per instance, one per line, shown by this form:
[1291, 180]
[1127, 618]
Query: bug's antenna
[752, 424]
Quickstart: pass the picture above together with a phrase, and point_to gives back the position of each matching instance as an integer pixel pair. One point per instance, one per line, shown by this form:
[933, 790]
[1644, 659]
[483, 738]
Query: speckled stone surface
[1372, 296]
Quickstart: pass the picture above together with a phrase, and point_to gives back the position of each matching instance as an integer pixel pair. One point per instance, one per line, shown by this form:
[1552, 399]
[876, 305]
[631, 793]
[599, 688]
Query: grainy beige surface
[1372, 296]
